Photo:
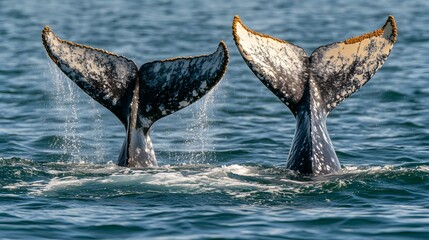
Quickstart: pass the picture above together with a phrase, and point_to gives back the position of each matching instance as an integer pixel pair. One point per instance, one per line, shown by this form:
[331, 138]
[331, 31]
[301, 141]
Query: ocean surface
[221, 171]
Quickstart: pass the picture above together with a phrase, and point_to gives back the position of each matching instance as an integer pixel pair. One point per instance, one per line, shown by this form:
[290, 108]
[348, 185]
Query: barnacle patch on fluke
[377, 33]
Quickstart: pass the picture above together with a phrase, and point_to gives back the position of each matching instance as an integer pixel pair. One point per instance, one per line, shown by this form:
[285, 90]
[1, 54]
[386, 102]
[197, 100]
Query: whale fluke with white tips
[312, 86]
[138, 97]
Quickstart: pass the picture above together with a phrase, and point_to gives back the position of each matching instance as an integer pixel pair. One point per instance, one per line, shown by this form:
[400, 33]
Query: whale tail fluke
[104, 76]
[170, 85]
[312, 86]
[137, 97]
[337, 70]
[340, 69]
[164, 86]
[280, 65]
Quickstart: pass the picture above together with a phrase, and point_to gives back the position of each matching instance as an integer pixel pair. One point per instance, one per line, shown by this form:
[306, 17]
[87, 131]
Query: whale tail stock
[138, 97]
[312, 86]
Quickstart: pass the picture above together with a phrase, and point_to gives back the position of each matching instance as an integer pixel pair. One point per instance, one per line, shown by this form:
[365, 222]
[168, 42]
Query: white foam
[238, 181]
[192, 179]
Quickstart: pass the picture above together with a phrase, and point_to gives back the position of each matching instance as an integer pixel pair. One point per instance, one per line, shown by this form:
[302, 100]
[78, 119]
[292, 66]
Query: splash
[258, 184]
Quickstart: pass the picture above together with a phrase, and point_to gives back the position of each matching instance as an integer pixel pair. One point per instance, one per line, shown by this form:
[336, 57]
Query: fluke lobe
[138, 97]
[312, 86]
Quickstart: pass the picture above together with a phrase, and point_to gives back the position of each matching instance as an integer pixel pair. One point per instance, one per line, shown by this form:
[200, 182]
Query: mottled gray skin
[312, 150]
[137, 97]
[313, 86]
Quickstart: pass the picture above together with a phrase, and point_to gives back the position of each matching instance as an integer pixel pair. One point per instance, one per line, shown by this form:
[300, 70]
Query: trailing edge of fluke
[138, 97]
[312, 86]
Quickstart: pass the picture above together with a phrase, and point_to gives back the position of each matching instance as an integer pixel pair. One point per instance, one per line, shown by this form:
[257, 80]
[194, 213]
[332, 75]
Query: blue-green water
[221, 173]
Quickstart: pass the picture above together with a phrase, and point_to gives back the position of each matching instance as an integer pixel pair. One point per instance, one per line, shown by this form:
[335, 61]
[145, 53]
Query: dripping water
[65, 105]
[98, 135]
[198, 142]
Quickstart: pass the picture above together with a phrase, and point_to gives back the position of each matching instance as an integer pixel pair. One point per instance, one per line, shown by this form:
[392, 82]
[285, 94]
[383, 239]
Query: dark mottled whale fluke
[138, 97]
[312, 86]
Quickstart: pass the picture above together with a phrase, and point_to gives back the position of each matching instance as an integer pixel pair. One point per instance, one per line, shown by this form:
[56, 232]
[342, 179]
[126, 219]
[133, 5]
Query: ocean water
[222, 159]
